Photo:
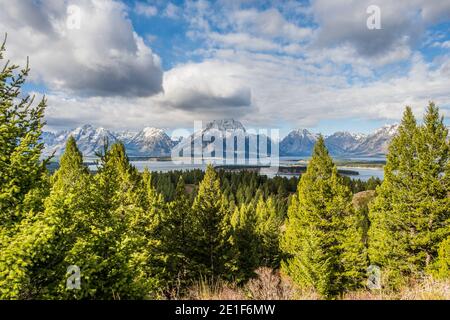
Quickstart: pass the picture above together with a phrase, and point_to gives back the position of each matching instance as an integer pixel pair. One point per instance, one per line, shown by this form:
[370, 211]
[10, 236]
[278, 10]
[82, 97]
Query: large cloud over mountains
[104, 57]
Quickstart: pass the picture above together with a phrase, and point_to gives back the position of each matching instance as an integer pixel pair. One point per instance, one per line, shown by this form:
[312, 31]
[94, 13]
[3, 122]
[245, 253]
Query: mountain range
[147, 142]
[156, 143]
[301, 143]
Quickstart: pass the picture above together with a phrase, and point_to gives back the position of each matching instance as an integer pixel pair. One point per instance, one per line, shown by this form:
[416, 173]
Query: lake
[364, 173]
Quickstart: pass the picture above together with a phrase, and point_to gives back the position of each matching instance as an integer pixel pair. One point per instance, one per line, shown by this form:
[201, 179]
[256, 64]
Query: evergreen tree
[21, 171]
[111, 258]
[49, 237]
[177, 241]
[411, 211]
[441, 267]
[319, 220]
[268, 231]
[245, 242]
[212, 228]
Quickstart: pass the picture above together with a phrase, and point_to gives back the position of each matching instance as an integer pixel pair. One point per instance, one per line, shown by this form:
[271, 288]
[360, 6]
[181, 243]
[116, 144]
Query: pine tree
[245, 242]
[212, 228]
[268, 231]
[112, 260]
[411, 211]
[319, 220]
[49, 237]
[21, 171]
[177, 241]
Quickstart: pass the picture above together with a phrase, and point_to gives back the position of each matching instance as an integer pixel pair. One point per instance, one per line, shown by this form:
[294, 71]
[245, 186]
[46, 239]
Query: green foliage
[212, 228]
[178, 242]
[55, 231]
[409, 218]
[361, 202]
[245, 242]
[441, 267]
[21, 171]
[268, 229]
[324, 250]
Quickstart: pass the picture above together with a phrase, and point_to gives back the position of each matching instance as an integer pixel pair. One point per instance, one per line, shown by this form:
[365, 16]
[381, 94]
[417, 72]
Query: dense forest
[153, 235]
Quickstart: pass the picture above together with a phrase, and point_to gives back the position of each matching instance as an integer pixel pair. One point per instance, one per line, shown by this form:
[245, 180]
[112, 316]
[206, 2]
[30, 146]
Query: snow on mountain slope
[90, 140]
[301, 142]
[155, 142]
[298, 143]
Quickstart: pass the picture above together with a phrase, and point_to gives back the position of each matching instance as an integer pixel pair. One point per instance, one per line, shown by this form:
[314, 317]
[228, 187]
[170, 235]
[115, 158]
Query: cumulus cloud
[348, 25]
[206, 86]
[403, 24]
[104, 57]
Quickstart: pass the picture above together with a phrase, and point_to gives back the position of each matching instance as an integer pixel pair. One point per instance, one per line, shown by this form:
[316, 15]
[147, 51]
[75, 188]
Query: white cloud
[269, 23]
[262, 90]
[403, 24]
[445, 44]
[172, 11]
[103, 57]
[145, 9]
[243, 41]
[206, 86]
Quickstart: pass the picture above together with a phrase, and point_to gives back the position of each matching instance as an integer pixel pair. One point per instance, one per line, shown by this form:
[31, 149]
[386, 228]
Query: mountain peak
[151, 132]
[302, 131]
[389, 129]
[225, 125]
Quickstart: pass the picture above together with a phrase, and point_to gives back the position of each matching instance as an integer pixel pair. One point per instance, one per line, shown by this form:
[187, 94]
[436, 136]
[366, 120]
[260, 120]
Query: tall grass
[271, 285]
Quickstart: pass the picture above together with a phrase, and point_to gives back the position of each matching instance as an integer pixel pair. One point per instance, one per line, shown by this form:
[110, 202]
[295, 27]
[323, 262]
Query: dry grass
[425, 289]
[271, 285]
[213, 290]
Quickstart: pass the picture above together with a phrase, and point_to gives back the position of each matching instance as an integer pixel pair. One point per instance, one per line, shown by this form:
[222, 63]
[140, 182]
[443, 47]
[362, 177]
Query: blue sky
[271, 64]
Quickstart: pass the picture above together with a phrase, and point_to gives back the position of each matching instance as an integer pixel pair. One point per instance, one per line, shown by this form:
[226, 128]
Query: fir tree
[411, 211]
[245, 242]
[212, 227]
[111, 259]
[268, 231]
[67, 218]
[21, 170]
[177, 241]
[319, 220]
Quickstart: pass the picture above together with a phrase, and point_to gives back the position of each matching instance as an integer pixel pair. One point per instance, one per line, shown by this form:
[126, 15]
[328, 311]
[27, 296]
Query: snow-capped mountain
[223, 131]
[90, 140]
[298, 143]
[377, 143]
[301, 143]
[155, 142]
[148, 142]
[224, 125]
[343, 143]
